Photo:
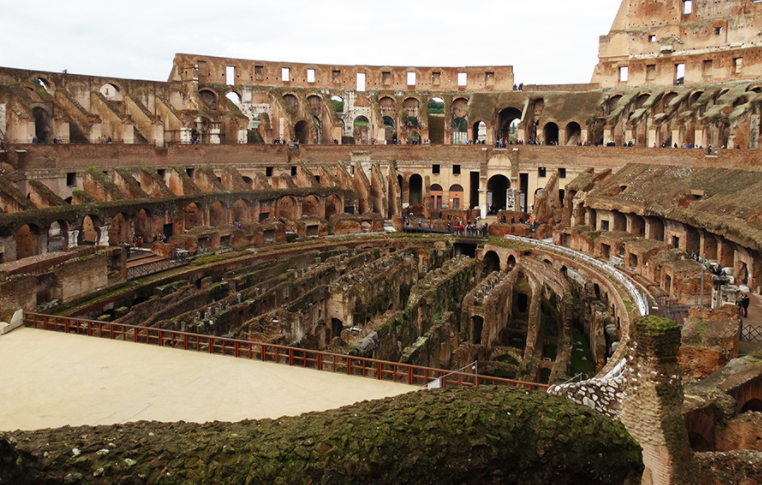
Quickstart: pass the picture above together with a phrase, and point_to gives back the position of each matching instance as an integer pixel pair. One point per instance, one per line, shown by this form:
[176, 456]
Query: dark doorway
[336, 327]
[43, 125]
[523, 188]
[168, 228]
[415, 185]
[478, 323]
[302, 132]
[491, 262]
[550, 133]
[497, 187]
[474, 190]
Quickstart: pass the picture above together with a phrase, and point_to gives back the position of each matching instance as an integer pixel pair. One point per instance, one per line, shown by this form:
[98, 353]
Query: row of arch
[32, 238]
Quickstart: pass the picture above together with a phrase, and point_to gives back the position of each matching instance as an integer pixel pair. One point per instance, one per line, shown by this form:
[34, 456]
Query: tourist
[745, 304]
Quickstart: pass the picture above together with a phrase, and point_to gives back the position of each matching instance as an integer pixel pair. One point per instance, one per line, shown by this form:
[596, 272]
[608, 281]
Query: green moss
[449, 436]
[582, 357]
[655, 326]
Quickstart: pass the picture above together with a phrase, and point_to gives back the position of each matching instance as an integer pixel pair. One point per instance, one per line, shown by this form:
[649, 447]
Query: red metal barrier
[313, 359]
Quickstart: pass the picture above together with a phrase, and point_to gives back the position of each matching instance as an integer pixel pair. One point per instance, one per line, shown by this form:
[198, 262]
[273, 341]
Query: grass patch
[549, 351]
[582, 356]
[509, 359]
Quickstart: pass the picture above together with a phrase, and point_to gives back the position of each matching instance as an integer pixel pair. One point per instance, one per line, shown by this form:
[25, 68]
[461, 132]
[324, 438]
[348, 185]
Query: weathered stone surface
[449, 436]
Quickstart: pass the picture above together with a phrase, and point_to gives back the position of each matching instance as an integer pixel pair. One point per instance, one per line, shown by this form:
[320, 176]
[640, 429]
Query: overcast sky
[546, 41]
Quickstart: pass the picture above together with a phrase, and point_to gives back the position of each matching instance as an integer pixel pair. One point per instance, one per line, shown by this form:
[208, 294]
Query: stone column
[73, 238]
[103, 235]
[653, 399]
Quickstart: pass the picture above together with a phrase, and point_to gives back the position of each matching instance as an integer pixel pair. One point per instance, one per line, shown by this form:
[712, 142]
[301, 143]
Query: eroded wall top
[222, 70]
[668, 42]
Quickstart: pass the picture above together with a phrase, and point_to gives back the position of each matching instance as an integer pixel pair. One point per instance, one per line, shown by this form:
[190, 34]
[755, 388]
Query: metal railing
[311, 359]
[751, 333]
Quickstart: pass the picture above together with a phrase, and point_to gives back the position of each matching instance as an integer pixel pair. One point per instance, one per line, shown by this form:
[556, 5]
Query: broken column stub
[651, 406]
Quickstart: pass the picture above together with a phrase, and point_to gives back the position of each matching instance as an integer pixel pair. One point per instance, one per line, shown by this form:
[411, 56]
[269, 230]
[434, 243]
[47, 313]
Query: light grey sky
[546, 41]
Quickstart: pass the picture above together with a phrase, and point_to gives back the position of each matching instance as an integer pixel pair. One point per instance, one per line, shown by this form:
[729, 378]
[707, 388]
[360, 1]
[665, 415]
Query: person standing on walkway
[745, 304]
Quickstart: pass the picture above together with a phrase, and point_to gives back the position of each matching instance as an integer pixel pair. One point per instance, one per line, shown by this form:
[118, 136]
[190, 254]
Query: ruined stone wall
[706, 36]
[208, 69]
[533, 439]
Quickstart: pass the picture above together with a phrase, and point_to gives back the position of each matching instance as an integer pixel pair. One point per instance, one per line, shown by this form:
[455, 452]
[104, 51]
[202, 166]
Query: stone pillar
[653, 399]
[653, 139]
[676, 137]
[698, 137]
[103, 235]
[73, 238]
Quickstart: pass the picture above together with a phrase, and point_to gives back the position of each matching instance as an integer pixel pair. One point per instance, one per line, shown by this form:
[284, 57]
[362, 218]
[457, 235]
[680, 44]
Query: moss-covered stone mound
[449, 436]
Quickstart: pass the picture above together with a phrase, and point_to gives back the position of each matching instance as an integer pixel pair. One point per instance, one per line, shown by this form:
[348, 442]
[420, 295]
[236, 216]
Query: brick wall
[78, 156]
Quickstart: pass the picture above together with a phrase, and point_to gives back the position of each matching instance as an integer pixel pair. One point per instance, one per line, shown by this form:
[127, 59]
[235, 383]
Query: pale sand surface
[50, 379]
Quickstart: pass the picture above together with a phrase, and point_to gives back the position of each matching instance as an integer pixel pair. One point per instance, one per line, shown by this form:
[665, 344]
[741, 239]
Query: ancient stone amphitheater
[555, 268]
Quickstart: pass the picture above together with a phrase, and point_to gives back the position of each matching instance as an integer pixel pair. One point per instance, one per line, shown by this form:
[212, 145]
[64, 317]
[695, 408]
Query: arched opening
[504, 122]
[90, 230]
[415, 184]
[573, 134]
[241, 212]
[338, 103]
[302, 132]
[550, 134]
[459, 121]
[58, 236]
[41, 84]
[43, 125]
[511, 263]
[754, 405]
[249, 181]
[455, 195]
[390, 131]
[695, 97]
[192, 216]
[286, 206]
[612, 103]
[459, 128]
[310, 206]
[436, 196]
[143, 224]
[234, 98]
[436, 121]
[27, 241]
[217, 214]
[490, 263]
[332, 206]
[698, 443]
[292, 104]
[361, 130]
[479, 134]
[209, 98]
[497, 188]
[119, 232]
[477, 323]
[336, 327]
[110, 92]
